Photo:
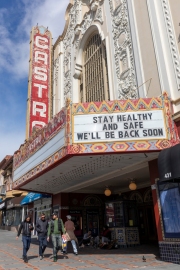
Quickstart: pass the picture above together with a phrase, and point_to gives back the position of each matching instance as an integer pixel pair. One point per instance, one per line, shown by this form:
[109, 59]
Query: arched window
[94, 84]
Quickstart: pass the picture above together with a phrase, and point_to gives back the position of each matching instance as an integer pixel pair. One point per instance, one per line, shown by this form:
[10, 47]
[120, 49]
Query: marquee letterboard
[126, 126]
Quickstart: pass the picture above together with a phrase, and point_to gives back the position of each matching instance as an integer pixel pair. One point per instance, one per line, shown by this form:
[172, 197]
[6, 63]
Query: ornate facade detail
[87, 20]
[56, 70]
[92, 201]
[77, 11]
[172, 40]
[74, 17]
[123, 52]
[76, 45]
[148, 196]
[99, 16]
[136, 196]
[94, 5]
[77, 31]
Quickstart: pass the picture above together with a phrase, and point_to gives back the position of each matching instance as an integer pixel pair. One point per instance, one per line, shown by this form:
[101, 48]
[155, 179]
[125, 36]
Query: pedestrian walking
[70, 236]
[42, 229]
[26, 227]
[56, 229]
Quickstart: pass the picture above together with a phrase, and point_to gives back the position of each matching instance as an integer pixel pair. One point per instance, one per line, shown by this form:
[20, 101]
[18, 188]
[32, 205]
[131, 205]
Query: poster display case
[122, 218]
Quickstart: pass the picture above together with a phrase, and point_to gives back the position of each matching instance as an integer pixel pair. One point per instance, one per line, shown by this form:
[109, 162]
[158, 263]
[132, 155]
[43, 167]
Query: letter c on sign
[40, 42]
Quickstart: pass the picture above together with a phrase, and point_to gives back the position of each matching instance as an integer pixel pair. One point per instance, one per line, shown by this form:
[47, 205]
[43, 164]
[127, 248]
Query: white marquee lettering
[40, 42]
[41, 110]
[40, 73]
[41, 56]
[40, 88]
[38, 123]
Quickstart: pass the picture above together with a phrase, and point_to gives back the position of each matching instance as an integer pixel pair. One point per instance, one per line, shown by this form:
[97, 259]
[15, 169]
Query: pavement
[88, 259]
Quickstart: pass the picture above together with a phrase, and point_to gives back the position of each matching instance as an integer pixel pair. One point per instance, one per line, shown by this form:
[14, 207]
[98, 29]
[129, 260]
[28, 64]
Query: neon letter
[38, 123]
[41, 76]
[40, 42]
[41, 110]
[40, 88]
[41, 56]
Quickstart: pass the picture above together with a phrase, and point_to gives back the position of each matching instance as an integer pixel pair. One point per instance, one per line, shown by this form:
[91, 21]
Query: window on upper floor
[94, 85]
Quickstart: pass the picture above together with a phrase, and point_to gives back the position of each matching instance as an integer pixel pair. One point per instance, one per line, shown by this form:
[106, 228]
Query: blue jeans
[42, 244]
[73, 242]
[26, 244]
[57, 243]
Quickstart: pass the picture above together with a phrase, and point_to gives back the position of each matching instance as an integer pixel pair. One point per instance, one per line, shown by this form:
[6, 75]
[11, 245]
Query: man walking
[42, 228]
[69, 226]
[26, 226]
[56, 228]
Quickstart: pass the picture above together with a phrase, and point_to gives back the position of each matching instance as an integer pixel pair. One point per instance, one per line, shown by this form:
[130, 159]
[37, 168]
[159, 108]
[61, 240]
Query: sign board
[126, 126]
[40, 82]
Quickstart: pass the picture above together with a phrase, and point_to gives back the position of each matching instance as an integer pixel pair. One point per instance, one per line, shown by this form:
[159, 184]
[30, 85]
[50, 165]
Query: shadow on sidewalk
[142, 250]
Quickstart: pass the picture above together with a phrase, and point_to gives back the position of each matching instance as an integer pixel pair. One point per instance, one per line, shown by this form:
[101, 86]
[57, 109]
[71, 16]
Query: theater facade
[89, 148]
[101, 108]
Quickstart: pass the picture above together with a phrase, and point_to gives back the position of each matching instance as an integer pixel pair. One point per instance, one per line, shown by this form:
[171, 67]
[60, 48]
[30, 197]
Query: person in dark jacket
[42, 228]
[26, 227]
[56, 229]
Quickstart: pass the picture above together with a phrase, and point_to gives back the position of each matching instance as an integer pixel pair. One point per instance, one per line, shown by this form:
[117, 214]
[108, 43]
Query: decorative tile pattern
[170, 251]
[105, 107]
[120, 236]
[132, 236]
[125, 236]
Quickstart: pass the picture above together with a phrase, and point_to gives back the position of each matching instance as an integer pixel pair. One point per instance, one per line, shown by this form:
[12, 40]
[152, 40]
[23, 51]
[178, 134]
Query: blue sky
[17, 17]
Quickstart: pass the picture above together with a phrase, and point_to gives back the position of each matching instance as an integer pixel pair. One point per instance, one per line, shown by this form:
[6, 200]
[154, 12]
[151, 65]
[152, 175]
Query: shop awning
[169, 163]
[2, 205]
[31, 197]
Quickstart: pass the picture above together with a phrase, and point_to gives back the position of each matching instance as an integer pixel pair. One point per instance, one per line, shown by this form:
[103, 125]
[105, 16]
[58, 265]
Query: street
[88, 258]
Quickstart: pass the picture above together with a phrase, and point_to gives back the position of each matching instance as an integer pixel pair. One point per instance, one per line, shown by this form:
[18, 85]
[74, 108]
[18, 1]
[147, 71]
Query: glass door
[93, 222]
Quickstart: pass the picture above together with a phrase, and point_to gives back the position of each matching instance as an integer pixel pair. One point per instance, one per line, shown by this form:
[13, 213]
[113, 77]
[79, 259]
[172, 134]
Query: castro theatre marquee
[119, 126]
[83, 129]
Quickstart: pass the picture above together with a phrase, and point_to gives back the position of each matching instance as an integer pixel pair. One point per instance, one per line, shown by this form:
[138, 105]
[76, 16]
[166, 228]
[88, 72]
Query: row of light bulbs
[132, 186]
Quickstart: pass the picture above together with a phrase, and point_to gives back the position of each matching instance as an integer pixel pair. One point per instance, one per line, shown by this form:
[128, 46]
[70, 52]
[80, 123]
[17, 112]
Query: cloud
[14, 42]
[17, 18]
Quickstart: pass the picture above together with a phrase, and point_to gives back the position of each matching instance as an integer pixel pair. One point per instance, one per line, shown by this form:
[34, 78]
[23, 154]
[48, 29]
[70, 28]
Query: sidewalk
[88, 258]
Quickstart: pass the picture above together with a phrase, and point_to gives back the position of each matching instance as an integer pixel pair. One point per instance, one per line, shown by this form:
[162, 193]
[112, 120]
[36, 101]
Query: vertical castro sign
[40, 83]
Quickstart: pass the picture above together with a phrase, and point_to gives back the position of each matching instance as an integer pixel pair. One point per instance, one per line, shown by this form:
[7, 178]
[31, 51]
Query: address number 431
[167, 175]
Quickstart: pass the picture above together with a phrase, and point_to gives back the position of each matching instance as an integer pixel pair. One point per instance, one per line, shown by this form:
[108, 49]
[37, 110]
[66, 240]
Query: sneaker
[75, 253]
[25, 259]
[43, 255]
[40, 257]
[55, 259]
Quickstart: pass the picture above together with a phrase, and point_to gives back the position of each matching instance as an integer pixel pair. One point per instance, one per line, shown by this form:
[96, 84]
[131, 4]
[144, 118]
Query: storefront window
[93, 222]
[170, 207]
[13, 216]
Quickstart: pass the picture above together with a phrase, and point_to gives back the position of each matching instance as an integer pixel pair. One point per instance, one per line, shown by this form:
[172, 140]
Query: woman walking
[70, 236]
